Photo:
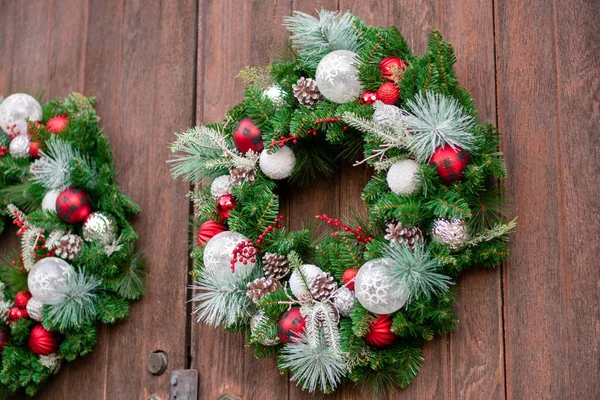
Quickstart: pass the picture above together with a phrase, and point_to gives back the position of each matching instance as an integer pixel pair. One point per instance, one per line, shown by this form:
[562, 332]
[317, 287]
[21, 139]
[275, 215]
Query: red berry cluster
[13, 132]
[357, 232]
[3, 151]
[19, 220]
[244, 252]
[270, 228]
[328, 120]
[283, 140]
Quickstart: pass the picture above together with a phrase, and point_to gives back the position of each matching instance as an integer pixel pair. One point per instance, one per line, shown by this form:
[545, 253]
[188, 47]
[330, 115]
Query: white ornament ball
[337, 76]
[403, 177]
[18, 107]
[275, 94]
[220, 186]
[297, 285]
[278, 165]
[44, 276]
[49, 201]
[34, 309]
[374, 289]
[19, 146]
[100, 227]
[344, 301]
[218, 254]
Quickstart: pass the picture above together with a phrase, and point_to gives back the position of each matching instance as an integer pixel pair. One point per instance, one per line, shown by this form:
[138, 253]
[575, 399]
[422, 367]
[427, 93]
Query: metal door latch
[184, 385]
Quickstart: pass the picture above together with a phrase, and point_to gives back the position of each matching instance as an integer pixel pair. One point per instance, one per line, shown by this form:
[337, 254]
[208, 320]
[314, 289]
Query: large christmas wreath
[76, 264]
[358, 304]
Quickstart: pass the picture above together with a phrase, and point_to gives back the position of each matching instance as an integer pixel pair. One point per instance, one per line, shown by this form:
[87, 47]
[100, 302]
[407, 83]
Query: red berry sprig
[283, 140]
[19, 220]
[328, 120]
[247, 251]
[358, 233]
[13, 131]
[270, 228]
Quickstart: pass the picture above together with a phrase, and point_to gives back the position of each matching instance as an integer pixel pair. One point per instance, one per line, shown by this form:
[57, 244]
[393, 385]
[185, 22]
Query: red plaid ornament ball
[290, 325]
[450, 163]
[73, 205]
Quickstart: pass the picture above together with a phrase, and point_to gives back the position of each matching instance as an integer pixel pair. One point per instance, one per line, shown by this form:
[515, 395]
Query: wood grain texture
[548, 110]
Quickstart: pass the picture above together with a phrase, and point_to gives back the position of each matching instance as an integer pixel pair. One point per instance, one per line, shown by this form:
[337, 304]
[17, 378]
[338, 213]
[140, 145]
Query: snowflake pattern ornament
[218, 254]
[374, 290]
[16, 108]
[337, 77]
[44, 277]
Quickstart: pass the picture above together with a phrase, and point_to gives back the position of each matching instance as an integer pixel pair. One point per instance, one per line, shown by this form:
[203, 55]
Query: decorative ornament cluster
[359, 304]
[76, 265]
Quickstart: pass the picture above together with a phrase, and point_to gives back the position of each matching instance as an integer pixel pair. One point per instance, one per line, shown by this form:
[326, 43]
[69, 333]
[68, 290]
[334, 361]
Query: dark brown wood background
[528, 330]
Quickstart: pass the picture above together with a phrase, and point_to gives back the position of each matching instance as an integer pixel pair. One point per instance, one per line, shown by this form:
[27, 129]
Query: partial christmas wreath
[358, 304]
[77, 265]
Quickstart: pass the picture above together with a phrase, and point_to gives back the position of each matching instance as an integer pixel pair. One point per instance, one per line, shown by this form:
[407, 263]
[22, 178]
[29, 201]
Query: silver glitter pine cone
[69, 247]
[100, 227]
[453, 233]
[306, 91]
[344, 301]
[398, 233]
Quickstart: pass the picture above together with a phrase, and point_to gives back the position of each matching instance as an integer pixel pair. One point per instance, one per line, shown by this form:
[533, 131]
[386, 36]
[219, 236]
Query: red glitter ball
[388, 93]
[57, 124]
[368, 97]
[17, 313]
[34, 149]
[391, 65]
[22, 298]
[225, 204]
[348, 276]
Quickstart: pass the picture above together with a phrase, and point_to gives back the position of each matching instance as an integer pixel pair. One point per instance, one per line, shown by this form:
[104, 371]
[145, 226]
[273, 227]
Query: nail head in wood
[158, 362]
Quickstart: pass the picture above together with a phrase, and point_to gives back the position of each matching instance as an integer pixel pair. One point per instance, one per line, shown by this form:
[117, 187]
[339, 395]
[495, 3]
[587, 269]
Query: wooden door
[528, 329]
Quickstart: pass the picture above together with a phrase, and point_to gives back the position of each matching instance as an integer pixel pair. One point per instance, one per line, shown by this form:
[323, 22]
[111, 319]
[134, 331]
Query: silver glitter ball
[453, 232]
[344, 301]
[34, 309]
[100, 227]
[387, 116]
[19, 147]
[221, 186]
[275, 94]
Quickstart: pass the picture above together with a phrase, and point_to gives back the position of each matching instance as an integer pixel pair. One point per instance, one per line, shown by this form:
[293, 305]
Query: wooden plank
[233, 34]
[155, 71]
[547, 104]
[578, 77]
[476, 347]
[8, 18]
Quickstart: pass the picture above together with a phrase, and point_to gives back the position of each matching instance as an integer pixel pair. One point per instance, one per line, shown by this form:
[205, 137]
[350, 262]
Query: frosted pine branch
[437, 120]
[493, 233]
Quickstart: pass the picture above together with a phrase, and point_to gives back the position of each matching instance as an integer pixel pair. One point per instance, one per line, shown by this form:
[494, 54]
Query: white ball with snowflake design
[17, 108]
[218, 254]
[374, 290]
[45, 275]
[337, 76]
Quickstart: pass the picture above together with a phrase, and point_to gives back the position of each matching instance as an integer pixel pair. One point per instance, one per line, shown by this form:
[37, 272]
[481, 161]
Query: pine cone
[322, 286]
[275, 265]
[261, 287]
[397, 233]
[242, 175]
[69, 247]
[306, 91]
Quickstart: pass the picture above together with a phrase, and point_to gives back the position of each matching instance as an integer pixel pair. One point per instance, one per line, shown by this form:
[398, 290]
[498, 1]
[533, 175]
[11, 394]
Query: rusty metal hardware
[184, 385]
[158, 362]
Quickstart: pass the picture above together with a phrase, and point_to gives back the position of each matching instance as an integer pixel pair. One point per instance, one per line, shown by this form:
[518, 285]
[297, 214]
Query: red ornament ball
[388, 93]
[57, 124]
[380, 332]
[73, 205]
[290, 324]
[34, 149]
[225, 204]
[450, 163]
[4, 337]
[348, 276]
[42, 341]
[248, 136]
[368, 97]
[209, 229]
[392, 67]
[22, 298]
[17, 313]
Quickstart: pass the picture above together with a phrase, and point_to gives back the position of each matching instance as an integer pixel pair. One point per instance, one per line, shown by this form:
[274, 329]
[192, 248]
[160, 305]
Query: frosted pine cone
[397, 233]
[69, 247]
[306, 91]
[242, 175]
[452, 233]
[261, 287]
[322, 286]
[275, 265]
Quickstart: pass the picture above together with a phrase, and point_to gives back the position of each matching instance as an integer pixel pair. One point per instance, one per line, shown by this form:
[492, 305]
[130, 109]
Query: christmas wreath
[359, 303]
[76, 264]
